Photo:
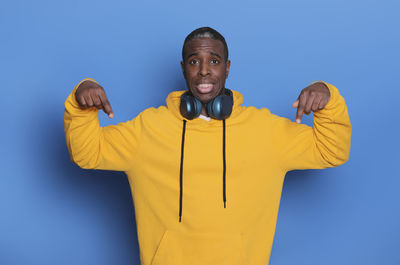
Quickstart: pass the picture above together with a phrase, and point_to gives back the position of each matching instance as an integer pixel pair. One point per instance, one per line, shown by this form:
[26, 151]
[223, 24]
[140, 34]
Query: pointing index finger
[106, 105]
[300, 109]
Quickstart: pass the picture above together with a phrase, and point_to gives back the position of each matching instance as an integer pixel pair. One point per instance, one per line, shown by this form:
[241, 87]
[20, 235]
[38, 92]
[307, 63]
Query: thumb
[295, 104]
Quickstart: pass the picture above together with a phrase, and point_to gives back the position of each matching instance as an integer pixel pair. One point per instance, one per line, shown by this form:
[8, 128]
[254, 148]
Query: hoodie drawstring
[181, 170]
[181, 167]
[224, 163]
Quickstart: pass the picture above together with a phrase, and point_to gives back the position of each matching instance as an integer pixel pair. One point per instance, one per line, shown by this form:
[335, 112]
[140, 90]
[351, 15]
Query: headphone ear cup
[209, 108]
[190, 106]
[221, 106]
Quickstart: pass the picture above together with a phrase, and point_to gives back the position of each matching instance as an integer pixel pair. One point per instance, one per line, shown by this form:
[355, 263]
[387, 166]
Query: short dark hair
[205, 32]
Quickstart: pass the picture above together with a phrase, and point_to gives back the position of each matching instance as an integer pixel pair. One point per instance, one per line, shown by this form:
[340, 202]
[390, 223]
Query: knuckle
[94, 89]
[99, 90]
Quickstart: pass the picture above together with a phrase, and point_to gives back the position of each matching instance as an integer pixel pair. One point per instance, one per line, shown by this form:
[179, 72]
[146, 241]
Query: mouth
[205, 88]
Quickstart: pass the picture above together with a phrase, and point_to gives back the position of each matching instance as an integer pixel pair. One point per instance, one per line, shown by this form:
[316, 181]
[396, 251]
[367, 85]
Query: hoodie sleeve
[91, 146]
[326, 144]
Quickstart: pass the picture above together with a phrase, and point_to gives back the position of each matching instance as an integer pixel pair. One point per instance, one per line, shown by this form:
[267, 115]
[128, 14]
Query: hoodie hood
[173, 104]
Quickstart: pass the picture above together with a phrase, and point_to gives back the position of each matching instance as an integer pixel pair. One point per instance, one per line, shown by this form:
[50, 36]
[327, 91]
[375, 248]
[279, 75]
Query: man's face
[204, 68]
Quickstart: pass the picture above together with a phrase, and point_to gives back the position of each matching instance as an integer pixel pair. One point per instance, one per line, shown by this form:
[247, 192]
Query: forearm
[91, 146]
[326, 144]
[332, 129]
[82, 131]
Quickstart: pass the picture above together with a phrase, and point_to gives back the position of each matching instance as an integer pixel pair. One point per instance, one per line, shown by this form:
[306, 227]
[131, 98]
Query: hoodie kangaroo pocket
[176, 248]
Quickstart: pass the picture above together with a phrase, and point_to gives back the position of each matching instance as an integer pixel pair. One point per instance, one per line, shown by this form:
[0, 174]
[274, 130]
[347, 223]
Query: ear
[183, 69]
[228, 65]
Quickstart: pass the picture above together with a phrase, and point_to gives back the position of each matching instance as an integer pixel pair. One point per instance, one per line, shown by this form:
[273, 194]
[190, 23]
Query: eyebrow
[213, 53]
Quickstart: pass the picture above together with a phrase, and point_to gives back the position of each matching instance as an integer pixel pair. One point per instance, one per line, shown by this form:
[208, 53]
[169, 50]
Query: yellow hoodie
[190, 169]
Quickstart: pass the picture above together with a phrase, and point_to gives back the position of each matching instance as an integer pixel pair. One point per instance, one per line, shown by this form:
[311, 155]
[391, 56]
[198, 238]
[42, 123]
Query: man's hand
[314, 97]
[90, 94]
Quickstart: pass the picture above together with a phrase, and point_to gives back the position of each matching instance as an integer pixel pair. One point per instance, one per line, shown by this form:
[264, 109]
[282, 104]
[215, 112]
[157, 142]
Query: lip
[204, 89]
[205, 82]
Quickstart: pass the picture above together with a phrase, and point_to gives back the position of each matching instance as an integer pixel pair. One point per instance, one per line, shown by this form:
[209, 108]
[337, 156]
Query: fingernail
[111, 115]
[298, 120]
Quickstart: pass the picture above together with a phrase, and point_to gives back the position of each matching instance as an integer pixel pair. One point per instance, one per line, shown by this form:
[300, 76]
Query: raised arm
[326, 144]
[91, 146]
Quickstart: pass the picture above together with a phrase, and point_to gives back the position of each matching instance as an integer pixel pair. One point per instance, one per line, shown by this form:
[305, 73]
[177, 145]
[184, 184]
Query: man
[206, 173]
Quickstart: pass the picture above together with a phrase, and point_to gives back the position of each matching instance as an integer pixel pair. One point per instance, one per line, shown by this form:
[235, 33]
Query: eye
[214, 61]
[193, 61]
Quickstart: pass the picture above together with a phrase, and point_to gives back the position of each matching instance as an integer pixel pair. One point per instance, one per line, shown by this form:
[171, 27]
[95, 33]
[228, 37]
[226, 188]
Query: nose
[204, 70]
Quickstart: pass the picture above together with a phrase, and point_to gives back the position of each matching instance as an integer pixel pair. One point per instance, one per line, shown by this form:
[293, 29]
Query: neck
[203, 110]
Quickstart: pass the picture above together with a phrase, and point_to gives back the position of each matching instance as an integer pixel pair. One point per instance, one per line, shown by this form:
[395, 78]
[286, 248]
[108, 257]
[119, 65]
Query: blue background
[53, 212]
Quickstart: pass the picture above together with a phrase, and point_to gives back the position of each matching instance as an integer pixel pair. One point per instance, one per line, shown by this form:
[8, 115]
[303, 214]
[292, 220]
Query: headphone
[218, 108]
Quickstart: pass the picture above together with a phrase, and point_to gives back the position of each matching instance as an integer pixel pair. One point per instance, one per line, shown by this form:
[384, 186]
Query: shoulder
[154, 113]
[256, 113]
[264, 117]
